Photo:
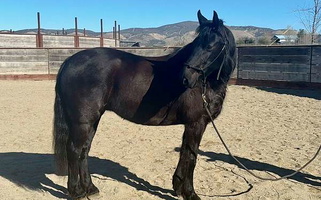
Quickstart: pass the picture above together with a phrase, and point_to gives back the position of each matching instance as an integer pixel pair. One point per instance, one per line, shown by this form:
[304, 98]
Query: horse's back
[92, 67]
[102, 60]
[107, 78]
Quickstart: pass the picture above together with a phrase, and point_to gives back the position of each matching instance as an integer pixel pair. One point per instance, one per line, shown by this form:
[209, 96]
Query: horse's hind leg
[74, 150]
[79, 143]
[85, 178]
[183, 177]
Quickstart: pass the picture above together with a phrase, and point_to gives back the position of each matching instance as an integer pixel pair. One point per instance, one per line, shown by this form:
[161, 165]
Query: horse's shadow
[29, 170]
[261, 166]
[312, 93]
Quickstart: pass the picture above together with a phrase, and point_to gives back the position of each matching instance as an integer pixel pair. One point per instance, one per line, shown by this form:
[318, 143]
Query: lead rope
[227, 149]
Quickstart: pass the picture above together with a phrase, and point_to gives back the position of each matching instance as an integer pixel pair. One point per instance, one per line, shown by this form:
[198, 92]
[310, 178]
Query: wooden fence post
[39, 38]
[76, 37]
[115, 34]
[311, 63]
[101, 33]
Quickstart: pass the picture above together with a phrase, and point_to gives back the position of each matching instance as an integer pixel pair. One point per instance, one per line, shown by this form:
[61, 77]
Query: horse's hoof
[177, 185]
[78, 196]
[92, 189]
[77, 193]
[194, 196]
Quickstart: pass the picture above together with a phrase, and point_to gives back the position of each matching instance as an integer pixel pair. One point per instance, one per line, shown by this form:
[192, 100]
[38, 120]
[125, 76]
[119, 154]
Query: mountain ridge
[176, 34]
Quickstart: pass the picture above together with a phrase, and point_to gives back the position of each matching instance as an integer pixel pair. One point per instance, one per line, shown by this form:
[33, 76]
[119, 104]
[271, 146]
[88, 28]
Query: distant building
[6, 31]
[285, 39]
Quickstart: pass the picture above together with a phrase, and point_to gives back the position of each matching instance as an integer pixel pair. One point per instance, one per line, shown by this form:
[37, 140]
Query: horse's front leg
[183, 177]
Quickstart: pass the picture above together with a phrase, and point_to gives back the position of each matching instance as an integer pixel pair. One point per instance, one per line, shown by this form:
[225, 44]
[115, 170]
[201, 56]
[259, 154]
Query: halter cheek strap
[205, 73]
[221, 66]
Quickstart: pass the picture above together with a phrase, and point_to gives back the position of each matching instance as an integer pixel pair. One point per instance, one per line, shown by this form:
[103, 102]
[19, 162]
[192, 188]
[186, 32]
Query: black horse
[150, 91]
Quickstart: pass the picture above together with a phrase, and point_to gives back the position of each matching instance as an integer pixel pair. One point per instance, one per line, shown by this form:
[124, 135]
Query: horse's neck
[181, 56]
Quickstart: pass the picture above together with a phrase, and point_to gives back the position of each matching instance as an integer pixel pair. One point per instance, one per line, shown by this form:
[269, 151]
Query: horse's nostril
[185, 81]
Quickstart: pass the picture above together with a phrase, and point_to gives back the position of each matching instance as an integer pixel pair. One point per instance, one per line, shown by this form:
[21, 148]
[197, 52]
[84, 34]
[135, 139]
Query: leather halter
[202, 70]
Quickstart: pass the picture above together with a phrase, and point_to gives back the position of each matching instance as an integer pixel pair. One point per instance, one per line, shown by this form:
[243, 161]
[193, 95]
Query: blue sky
[58, 14]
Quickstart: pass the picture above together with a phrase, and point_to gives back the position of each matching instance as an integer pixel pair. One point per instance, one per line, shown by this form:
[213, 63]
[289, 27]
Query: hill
[177, 34]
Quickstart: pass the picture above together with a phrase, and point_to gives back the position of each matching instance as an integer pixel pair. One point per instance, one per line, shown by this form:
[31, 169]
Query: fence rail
[28, 61]
[281, 64]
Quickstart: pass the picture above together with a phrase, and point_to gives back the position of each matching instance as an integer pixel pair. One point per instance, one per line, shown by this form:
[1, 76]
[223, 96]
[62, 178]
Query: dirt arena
[271, 131]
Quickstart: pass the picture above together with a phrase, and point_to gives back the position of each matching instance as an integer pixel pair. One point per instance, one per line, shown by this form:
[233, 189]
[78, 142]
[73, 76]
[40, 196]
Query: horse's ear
[216, 20]
[201, 18]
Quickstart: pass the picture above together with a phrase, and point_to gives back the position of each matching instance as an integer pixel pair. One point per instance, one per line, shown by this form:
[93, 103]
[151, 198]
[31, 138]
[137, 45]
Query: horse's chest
[215, 103]
[193, 106]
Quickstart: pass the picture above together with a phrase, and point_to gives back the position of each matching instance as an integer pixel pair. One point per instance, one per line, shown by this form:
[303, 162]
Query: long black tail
[60, 136]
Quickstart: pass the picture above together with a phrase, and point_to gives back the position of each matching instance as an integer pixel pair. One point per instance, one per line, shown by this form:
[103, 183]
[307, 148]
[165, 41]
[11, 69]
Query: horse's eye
[210, 47]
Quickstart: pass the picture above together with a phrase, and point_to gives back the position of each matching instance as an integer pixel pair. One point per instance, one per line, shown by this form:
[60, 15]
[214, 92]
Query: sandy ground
[271, 131]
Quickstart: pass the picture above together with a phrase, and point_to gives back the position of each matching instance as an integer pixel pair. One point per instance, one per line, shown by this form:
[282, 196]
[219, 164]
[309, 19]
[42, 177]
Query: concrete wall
[23, 61]
[17, 41]
[90, 42]
[51, 41]
[56, 58]
[48, 61]
[161, 51]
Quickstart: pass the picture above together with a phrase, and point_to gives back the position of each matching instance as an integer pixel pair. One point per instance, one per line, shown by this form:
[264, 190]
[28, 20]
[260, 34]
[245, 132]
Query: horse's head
[212, 52]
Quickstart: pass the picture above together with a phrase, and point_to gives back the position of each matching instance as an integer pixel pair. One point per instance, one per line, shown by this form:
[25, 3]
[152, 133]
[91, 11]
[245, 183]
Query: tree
[301, 36]
[245, 40]
[264, 41]
[311, 19]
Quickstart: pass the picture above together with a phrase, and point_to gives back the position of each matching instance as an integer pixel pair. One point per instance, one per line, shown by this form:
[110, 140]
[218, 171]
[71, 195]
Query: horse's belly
[146, 115]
